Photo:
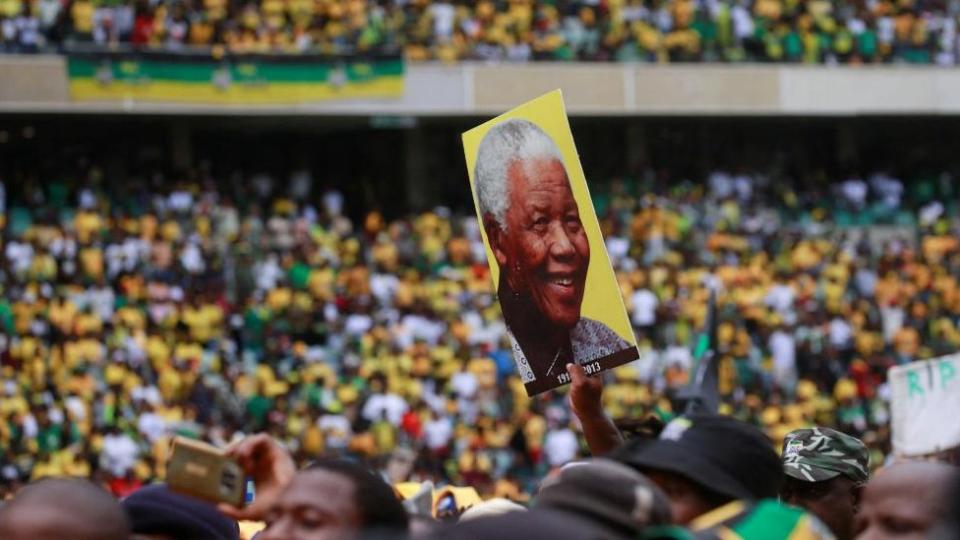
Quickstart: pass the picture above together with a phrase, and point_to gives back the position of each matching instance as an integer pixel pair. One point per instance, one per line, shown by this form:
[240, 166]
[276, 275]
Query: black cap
[157, 510]
[607, 493]
[718, 453]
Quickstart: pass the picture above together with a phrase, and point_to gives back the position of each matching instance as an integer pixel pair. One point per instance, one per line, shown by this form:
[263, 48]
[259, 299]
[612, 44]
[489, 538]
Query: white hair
[513, 140]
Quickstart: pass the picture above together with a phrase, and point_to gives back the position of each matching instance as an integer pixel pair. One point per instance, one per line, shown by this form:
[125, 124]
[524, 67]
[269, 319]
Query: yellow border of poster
[602, 299]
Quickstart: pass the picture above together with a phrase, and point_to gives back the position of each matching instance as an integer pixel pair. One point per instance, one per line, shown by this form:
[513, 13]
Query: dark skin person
[317, 505]
[834, 501]
[586, 394]
[905, 501]
[543, 256]
[271, 468]
[687, 501]
[60, 509]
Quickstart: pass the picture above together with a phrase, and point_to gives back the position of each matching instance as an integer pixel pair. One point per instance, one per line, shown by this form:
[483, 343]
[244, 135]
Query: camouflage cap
[818, 454]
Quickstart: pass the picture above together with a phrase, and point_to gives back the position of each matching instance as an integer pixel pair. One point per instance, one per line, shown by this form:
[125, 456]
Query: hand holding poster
[925, 404]
[557, 289]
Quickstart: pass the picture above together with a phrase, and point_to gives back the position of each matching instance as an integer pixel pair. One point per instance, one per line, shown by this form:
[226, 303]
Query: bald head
[63, 509]
[905, 501]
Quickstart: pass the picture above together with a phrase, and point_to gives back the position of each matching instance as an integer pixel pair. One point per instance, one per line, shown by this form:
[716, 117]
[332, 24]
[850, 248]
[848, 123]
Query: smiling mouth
[562, 281]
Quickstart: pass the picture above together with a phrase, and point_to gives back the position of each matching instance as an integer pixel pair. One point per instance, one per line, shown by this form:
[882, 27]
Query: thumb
[231, 511]
[577, 375]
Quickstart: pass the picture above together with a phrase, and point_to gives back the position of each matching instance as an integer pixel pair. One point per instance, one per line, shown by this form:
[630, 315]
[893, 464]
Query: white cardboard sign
[925, 406]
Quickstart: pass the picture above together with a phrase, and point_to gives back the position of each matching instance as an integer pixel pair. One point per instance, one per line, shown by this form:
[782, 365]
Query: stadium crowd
[263, 318]
[133, 313]
[817, 31]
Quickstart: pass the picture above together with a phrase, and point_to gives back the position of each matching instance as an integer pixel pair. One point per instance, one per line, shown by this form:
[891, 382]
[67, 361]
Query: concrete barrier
[38, 84]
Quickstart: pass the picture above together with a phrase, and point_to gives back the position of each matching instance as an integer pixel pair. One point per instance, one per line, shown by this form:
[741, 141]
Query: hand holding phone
[206, 472]
[271, 467]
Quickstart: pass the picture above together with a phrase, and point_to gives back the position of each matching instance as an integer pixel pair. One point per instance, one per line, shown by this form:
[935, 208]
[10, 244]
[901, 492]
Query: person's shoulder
[766, 519]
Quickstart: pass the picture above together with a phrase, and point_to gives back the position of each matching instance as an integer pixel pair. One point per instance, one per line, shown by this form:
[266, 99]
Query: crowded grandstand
[518, 31]
[138, 310]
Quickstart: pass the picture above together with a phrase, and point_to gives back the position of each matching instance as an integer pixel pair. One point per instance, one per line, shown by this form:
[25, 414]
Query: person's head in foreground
[703, 462]
[825, 471]
[534, 229]
[335, 499]
[63, 509]
[905, 501]
[537, 524]
[490, 508]
[608, 495]
[156, 513]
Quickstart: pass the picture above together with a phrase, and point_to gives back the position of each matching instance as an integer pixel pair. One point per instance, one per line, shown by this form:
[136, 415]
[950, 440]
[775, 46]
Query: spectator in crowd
[607, 494]
[673, 31]
[335, 499]
[63, 509]
[906, 500]
[704, 462]
[111, 337]
[330, 499]
[825, 474]
[157, 513]
[541, 524]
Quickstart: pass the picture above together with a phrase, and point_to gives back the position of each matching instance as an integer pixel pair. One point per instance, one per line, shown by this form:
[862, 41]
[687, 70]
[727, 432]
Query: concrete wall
[39, 84]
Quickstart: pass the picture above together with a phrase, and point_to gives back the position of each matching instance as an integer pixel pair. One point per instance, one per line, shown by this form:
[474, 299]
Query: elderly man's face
[545, 252]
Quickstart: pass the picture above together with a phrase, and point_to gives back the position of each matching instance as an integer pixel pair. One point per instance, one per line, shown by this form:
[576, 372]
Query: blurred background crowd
[813, 31]
[134, 309]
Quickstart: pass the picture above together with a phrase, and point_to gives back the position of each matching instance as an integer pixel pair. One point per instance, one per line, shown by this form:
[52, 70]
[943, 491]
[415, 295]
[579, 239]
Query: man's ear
[496, 237]
[856, 492]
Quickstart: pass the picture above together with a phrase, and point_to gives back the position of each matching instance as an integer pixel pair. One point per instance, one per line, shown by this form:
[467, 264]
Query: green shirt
[742, 520]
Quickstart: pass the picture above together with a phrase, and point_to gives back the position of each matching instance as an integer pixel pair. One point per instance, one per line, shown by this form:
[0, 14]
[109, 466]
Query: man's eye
[311, 523]
[311, 520]
[899, 526]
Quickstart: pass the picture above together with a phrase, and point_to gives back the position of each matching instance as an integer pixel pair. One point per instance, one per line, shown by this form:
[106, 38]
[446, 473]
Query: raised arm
[586, 395]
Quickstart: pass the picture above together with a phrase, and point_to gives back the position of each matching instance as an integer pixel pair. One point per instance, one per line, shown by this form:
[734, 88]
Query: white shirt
[384, 287]
[644, 304]
[840, 333]
[678, 355]
[560, 447]
[437, 433]
[357, 324]
[465, 384]
[780, 298]
[390, 404]
[855, 191]
[721, 185]
[119, 454]
[784, 351]
[443, 16]
[152, 426]
[337, 430]
[892, 317]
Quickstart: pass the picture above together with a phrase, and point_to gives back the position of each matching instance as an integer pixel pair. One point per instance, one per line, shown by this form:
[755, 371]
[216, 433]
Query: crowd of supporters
[134, 311]
[815, 31]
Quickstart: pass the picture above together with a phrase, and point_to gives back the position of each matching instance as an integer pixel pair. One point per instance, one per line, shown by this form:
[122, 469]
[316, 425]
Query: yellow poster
[556, 287]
